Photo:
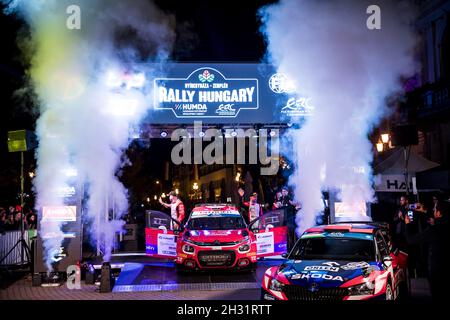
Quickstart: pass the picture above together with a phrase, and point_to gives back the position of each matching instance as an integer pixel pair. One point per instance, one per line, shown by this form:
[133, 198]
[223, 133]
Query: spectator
[31, 221]
[435, 202]
[12, 210]
[270, 192]
[277, 202]
[2, 220]
[436, 235]
[399, 224]
[10, 223]
[291, 211]
[20, 219]
[418, 255]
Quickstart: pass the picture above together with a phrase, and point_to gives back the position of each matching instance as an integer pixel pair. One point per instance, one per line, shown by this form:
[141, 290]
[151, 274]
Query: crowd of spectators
[15, 216]
[422, 230]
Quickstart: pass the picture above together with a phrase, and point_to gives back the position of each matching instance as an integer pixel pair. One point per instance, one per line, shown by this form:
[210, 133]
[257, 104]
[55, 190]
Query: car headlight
[276, 285]
[188, 248]
[244, 248]
[365, 288]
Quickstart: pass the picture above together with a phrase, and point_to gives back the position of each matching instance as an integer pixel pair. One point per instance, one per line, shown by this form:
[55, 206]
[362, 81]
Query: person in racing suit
[176, 206]
[255, 209]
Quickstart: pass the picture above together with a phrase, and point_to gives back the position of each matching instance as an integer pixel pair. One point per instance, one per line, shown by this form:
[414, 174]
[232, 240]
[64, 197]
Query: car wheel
[389, 293]
[180, 268]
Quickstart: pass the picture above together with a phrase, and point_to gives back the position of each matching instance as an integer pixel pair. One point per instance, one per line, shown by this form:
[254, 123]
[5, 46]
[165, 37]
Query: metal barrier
[7, 241]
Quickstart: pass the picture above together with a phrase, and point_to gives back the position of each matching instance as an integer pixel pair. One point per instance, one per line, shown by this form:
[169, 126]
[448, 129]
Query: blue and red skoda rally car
[339, 262]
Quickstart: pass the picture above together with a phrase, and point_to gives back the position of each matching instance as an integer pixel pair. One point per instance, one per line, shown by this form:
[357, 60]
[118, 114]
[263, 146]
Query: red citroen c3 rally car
[216, 236]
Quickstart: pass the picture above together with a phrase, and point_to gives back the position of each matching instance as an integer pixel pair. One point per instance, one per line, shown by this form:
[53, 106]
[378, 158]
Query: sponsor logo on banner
[167, 245]
[279, 83]
[59, 213]
[392, 183]
[265, 243]
[206, 93]
[226, 109]
[298, 107]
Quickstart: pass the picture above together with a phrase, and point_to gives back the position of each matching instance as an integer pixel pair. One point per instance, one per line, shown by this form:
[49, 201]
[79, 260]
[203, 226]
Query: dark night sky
[206, 31]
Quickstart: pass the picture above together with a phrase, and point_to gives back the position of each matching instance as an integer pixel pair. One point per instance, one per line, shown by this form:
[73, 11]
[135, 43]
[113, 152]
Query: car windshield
[216, 223]
[333, 248]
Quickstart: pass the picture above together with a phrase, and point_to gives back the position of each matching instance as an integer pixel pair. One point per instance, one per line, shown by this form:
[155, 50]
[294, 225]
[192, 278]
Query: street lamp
[384, 142]
[380, 146]
[385, 137]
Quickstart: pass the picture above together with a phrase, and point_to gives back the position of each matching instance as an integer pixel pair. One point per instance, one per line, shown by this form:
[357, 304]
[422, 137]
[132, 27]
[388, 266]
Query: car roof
[357, 227]
[215, 210]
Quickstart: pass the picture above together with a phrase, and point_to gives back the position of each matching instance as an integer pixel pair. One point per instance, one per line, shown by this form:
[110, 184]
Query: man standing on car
[242, 206]
[176, 208]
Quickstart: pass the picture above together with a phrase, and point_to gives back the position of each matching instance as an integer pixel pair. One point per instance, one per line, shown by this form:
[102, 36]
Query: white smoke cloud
[85, 124]
[347, 70]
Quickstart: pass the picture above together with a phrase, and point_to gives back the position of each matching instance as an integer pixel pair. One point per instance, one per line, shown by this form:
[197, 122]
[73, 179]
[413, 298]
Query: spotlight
[234, 134]
[273, 133]
[163, 134]
[201, 134]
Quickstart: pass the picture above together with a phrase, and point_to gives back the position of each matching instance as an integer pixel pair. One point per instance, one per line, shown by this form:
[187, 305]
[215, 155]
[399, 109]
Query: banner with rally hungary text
[230, 93]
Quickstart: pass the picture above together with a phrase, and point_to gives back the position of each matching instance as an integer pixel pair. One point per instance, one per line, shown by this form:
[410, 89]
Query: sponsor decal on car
[316, 276]
[355, 265]
[321, 268]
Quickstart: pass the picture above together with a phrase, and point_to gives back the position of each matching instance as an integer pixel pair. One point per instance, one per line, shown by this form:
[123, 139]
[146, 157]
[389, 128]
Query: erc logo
[206, 76]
